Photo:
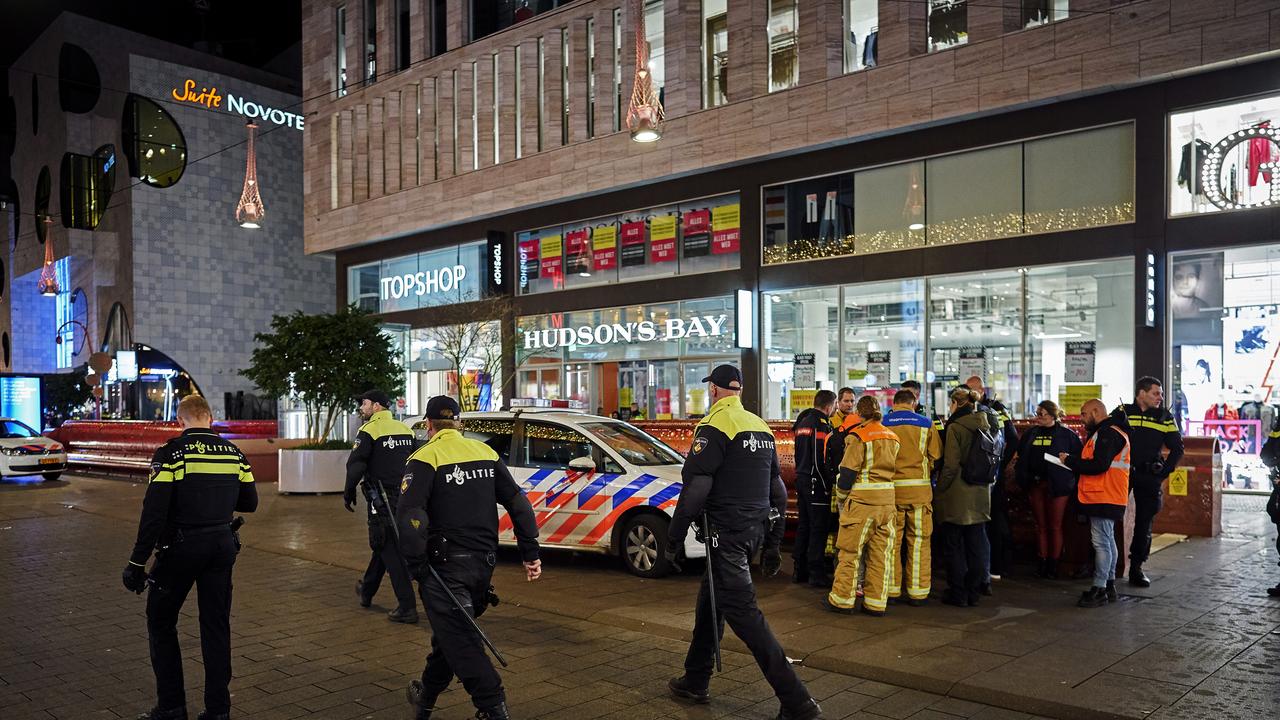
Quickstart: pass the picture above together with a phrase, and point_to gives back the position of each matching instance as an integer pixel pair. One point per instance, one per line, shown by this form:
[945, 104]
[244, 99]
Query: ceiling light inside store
[916, 226]
[1057, 336]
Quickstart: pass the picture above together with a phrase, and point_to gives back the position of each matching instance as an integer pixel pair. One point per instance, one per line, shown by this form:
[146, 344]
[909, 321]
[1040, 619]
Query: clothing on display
[1192, 166]
[870, 49]
[1261, 150]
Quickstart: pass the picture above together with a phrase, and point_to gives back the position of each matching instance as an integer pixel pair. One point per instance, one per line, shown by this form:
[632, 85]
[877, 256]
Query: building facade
[846, 193]
[134, 150]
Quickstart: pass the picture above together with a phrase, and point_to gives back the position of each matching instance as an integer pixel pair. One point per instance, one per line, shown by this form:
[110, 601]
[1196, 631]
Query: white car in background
[25, 452]
[595, 483]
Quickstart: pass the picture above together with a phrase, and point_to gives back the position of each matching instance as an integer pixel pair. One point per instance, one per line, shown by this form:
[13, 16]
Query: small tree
[324, 362]
[473, 338]
[66, 395]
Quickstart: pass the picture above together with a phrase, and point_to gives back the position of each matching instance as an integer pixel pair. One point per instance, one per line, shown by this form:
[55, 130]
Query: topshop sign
[671, 329]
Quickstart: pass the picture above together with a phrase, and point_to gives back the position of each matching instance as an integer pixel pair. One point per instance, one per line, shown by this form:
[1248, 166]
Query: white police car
[595, 483]
[25, 452]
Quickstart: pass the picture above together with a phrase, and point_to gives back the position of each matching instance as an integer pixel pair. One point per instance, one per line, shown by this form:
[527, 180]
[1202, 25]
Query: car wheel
[50, 477]
[644, 544]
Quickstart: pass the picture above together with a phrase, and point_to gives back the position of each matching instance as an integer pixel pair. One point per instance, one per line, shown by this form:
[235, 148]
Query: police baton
[378, 503]
[709, 541]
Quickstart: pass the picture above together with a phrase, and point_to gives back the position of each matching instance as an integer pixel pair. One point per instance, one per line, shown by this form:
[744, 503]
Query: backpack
[985, 454]
[835, 453]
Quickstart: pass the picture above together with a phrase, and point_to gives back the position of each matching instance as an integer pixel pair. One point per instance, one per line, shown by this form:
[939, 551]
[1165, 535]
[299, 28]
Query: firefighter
[198, 480]
[866, 494]
[732, 474]
[447, 517]
[382, 448]
[919, 447]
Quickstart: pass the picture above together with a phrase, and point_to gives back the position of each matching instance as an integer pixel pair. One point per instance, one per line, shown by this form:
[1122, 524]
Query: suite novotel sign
[212, 99]
[698, 326]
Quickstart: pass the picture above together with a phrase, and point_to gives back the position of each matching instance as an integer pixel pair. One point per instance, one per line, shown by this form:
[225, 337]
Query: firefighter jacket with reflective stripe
[382, 448]
[920, 446]
[450, 488]
[731, 471]
[197, 479]
[811, 430]
[870, 460]
[1150, 431]
[1103, 465]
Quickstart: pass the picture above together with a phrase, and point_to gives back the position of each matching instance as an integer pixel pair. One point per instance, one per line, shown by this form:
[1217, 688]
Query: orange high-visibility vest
[1112, 486]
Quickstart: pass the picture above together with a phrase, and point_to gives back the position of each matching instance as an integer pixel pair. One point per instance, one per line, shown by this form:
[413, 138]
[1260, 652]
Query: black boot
[418, 699]
[206, 715]
[496, 712]
[1051, 569]
[155, 713]
[808, 711]
[1112, 595]
[365, 600]
[1094, 597]
[1274, 591]
[682, 688]
[409, 616]
[1137, 577]
[1042, 568]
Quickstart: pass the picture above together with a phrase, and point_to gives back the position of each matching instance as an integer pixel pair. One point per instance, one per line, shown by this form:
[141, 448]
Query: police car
[24, 451]
[595, 483]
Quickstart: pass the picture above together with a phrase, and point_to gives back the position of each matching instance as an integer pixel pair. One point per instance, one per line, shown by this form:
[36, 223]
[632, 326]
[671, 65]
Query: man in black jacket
[1153, 431]
[813, 491]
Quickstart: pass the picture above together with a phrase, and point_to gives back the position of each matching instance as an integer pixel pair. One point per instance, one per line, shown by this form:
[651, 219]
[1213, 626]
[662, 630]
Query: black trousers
[966, 553]
[206, 562]
[1148, 499]
[814, 508]
[999, 535]
[386, 560]
[456, 649]
[730, 565]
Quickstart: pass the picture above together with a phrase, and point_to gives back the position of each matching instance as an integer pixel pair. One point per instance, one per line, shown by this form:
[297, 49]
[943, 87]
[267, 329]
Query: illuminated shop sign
[423, 282]
[210, 98]
[452, 274]
[671, 329]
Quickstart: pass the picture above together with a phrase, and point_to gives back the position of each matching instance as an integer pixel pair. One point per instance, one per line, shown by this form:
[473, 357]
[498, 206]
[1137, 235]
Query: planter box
[313, 471]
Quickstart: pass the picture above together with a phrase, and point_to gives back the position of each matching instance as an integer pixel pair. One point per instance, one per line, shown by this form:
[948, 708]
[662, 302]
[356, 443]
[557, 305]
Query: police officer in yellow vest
[382, 448]
[865, 490]
[732, 474]
[920, 446]
[448, 519]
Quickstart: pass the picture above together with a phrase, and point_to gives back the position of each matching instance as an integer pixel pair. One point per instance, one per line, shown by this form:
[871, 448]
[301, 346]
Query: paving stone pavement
[590, 641]
[74, 644]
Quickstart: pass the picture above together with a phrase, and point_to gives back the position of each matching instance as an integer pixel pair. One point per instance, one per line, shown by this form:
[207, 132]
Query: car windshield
[635, 446]
[10, 429]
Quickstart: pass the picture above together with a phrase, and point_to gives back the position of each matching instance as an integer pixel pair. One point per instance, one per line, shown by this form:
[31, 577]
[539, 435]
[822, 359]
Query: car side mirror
[584, 464]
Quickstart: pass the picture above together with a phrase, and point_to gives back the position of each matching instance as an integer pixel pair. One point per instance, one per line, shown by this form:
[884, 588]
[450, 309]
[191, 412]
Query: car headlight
[8, 451]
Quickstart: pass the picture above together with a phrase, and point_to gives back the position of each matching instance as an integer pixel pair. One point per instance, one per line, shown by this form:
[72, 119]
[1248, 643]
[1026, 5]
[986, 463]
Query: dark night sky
[251, 32]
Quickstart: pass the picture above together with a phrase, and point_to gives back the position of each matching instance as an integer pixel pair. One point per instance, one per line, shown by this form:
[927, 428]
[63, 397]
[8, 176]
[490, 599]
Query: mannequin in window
[523, 12]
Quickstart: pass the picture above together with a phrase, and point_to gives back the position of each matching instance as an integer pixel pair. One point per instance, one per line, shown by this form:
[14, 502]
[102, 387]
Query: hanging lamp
[250, 211]
[47, 285]
[914, 209]
[644, 115]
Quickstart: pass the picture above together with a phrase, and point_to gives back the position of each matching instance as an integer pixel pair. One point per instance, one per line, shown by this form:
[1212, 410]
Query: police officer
[383, 446]
[1152, 430]
[732, 473]
[197, 481]
[446, 518]
[813, 491]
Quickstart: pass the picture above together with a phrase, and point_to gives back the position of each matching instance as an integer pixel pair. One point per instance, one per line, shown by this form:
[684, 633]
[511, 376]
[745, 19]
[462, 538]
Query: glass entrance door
[696, 402]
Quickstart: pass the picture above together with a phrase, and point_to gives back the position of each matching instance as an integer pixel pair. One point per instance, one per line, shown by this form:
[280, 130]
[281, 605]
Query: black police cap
[443, 407]
[376, 396]
[728, 377]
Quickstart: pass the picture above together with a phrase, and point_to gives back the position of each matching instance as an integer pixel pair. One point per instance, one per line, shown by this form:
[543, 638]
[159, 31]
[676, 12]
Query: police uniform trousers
[1148, 499]
[736, 604]
[913, 525]
[871, 528]
[203, 558]
[813, 504]
[456, 649]
[386, 560]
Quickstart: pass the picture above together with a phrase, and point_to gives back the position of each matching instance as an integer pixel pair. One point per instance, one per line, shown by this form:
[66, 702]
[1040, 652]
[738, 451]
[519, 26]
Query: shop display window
[715, 52]
[948, 24]
[655, 33]
[450, 275]
[691, 237]
[1219, 157]
[463, 361]
[1224, 310]
[488, 18]
[1064, 182]
[862, 33]
[1059, 333]
[1042, 12]
[784, 45]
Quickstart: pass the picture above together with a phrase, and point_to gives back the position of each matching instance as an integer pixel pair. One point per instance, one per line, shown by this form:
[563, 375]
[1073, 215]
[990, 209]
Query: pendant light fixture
[250, 211]
[644, 115]
[47, 285]
[914, 210]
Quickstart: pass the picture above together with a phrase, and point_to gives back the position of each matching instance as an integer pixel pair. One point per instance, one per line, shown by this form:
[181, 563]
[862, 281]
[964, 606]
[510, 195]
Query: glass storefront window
[1224, 309]
[463, 361]
[948, 24]
[450, 275]
[715, 52]
[1076, 321]
[1043, 12]
[1217, 157]
[1065, 182]
[691, 237]
[784, 46]
[861, 34]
